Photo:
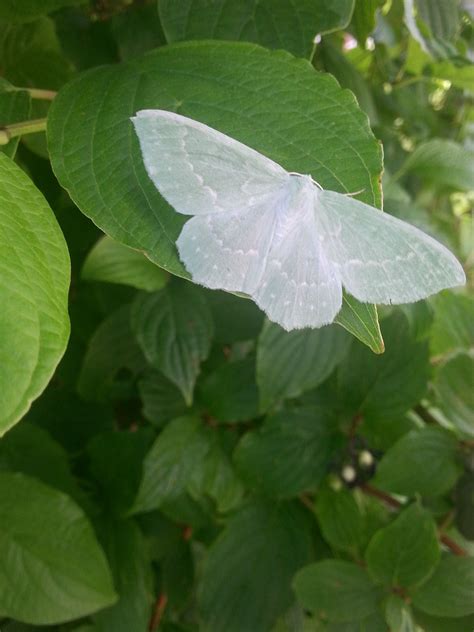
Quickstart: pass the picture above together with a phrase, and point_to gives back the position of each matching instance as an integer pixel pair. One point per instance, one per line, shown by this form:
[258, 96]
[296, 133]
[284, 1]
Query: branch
[18, 129]
[395, 504]
[158, 612]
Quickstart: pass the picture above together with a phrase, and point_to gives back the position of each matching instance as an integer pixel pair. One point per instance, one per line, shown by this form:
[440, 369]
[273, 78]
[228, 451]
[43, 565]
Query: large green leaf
[34, 282]
[269, 100]
[53, 573]
[448, 593]
[247, 573]
[27, 10]
[174, 328]
[290, 363]
[271, 23]
[454, 385]
[389, 384]
[405, 553]
[289, 454]
[422, 462]
[336, 590]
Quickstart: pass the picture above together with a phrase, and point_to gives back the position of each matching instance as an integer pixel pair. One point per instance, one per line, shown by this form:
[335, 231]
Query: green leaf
[34, 283]
[27, 10]
[277, 538]
[174, 328]
[32, 57]
[112, 262]
[361, 320]
[289, 454]
[448, 593]
[373, 623]
[161, 399]
[176, 455]
[438, 624]
[340, 518]
[433, 23]
[443, 163]
[460, 76]
[230, 393]
[235, 319]
[422, 462]
[290, 363]
[15, 106]
[216, 478]
[464, 505]
[454, 385]
[67, 575]
[96, 156]
[405, 553]
[137, 30]
[363, 18]
[29, 449]
[335, 590]
[130, 560]
[271, 23]
[110, 454]
[452, 327]
[389, 384]
[100, 371]
[398, 615]
[338, 64]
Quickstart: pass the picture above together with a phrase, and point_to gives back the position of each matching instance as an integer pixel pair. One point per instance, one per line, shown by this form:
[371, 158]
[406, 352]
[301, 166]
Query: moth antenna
[295, 173]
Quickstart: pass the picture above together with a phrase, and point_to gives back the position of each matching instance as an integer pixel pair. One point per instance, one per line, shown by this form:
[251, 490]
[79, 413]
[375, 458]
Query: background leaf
[449, 591]
[404, 554]
[174, 328]
[113, 262]
[337, 590]
[274, 24]
[275, 535]
[26, 10]
[368, 383]
[290, 363]
[289, 454]
[422, 462]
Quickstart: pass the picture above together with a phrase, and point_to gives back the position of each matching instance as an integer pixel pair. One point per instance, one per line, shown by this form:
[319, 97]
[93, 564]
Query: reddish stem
[394, 503]
[158, 612]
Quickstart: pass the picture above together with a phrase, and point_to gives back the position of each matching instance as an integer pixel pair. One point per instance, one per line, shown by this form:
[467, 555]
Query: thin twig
[395, 504]
[7, 132]
[158, 612]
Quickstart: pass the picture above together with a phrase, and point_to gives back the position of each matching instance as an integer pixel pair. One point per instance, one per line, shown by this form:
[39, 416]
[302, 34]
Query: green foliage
[188, 465]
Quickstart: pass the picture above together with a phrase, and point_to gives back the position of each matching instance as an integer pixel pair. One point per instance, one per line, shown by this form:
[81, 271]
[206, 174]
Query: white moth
[277, 236]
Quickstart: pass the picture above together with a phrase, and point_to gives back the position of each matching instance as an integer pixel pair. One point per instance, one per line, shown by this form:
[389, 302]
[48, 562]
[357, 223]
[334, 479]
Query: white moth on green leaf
[277, 236]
